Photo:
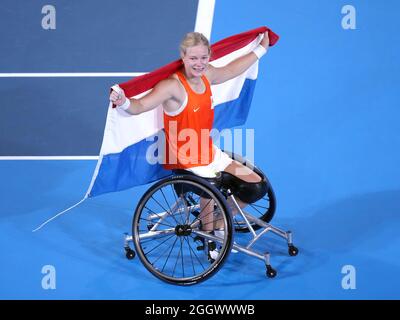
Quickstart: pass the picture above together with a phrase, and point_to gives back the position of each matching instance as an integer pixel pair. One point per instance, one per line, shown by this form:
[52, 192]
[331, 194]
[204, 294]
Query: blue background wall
[325, 115]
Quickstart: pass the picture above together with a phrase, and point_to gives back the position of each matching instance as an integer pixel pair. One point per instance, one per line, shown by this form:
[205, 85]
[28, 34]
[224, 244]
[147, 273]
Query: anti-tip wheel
[271, 273]
[130, 254]
[293, 251]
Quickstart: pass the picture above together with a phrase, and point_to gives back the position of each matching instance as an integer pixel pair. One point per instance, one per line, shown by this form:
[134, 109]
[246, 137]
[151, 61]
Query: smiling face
[195, 60]
[195, 53]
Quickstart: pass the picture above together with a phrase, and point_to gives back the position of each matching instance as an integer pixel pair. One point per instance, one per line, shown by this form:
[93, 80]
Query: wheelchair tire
[166, 226]
[263, 209]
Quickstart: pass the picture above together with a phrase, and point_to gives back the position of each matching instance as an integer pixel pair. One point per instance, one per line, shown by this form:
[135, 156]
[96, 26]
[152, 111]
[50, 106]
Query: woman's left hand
[265, 41]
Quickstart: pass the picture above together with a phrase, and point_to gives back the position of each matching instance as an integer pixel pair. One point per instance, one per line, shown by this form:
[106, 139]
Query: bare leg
[206, 217]
[210, 219]
[233, 207]
[207, 214]
[241, 171]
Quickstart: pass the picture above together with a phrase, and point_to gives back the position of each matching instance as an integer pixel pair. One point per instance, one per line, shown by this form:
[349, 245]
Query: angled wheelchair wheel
[169, 230]
[263, 209]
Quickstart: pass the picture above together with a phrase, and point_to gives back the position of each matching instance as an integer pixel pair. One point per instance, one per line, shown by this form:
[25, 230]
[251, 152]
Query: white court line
[49, 158]
[204, 18]
[70, 74]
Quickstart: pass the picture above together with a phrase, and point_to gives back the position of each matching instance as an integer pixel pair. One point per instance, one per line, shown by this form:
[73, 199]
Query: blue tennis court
[325, 119]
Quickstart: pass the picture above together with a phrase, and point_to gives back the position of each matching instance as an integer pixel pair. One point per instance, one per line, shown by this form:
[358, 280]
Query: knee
[248, 192]
[255, 178]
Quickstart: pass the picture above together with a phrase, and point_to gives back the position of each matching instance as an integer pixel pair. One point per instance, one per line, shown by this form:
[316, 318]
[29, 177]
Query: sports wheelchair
[168, 229]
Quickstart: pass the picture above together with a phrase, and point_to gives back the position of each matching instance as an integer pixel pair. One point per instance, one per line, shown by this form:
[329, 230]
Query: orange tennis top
[187, 134]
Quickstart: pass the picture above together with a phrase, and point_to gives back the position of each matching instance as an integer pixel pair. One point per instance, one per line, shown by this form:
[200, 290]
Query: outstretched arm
[163, 91]
[237, 66]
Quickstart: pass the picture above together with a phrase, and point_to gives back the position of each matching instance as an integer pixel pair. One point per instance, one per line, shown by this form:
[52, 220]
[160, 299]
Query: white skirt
[220, 162]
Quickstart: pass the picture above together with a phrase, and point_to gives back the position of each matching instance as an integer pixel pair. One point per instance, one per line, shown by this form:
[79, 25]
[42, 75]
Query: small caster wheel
[130, 254]
[271, 273]
[293, 251]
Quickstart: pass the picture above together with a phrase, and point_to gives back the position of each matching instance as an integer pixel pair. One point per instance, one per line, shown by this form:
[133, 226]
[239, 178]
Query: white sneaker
[212, 251]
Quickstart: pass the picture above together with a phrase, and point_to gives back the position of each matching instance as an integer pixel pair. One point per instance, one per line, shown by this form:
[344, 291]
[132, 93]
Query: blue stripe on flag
[129, 168]
[234, 113]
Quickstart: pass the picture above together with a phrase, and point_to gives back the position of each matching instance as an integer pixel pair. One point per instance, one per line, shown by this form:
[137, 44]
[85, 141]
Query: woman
[187, 103]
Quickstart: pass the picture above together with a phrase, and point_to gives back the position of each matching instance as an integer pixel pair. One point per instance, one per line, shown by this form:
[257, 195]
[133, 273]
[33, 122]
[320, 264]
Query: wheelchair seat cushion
[248, 192]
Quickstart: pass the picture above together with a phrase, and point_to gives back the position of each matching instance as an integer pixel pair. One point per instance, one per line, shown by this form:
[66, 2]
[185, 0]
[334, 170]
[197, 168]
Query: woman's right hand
[117, 97]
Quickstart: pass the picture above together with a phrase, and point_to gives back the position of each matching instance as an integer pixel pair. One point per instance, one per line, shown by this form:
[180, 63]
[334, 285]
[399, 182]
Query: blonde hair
[192, 39]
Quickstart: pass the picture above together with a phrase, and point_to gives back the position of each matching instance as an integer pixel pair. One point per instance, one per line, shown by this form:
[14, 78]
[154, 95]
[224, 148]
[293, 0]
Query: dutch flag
[124, 156]
[128, 140]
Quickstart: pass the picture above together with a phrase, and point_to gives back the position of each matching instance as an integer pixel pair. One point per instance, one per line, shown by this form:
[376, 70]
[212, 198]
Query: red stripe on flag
[219, 49]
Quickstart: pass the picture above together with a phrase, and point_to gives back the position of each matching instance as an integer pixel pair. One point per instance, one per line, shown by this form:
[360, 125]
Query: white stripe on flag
[134, 128]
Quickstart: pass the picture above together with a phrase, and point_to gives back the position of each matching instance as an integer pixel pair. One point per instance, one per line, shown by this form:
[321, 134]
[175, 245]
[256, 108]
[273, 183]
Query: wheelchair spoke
[176, 197]
[205, 207]
[147, 240]
[257, 210]
[200, 216]
[235, 221]
[191, 257]
[211, 212]
[186, 210]
[220, 219]
[155, 234]
[169, 213]
[146, 231]
[258, 206]
[193, 204]
[169, 254]
[160, 256]
[183, 267]
[165, 199]
[164, 224]
[177, 208]
[183, 207]
[194, 196]
[192, 251]
[155, 213]
[177, 259]
[146, 253]
[174, 193]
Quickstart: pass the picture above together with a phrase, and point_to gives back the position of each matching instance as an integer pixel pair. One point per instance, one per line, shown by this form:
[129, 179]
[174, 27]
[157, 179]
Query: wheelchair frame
[265, 227]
